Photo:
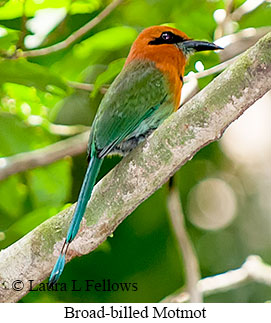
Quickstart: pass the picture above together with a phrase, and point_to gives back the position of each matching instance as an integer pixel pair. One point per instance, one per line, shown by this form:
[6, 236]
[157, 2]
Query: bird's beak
[189, 46]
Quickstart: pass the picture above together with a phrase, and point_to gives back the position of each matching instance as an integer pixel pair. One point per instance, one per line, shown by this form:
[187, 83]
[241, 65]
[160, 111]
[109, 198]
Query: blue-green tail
[84, 196]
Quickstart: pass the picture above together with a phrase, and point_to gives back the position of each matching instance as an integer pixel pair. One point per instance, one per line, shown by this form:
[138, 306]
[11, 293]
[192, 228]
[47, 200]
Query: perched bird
[143, 95]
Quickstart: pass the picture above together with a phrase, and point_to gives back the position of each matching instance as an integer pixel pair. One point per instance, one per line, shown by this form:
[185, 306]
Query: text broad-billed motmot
[143, 95]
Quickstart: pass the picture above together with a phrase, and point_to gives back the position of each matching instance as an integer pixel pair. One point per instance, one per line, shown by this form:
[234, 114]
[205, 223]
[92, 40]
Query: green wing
[134, 96]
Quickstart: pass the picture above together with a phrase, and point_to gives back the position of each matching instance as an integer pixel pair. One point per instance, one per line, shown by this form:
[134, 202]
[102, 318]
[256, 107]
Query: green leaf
[65, 112]
[3, 2]
[101, 48]
[21, 71]
[106, 40]
[14, 8]
[50, 185]
[86, 106]
[11, 205]
[8, 37]
[112, 71]
[84, 6]
[15, 137]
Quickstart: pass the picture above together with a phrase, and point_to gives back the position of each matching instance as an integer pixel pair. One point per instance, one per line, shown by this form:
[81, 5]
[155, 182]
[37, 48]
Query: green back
[135, 95]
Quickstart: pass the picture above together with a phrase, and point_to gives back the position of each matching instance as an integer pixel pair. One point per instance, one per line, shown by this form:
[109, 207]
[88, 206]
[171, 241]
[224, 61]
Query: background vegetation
[225, 189]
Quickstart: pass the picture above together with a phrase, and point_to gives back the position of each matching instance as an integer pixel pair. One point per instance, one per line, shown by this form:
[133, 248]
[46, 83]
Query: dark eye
[167, 36]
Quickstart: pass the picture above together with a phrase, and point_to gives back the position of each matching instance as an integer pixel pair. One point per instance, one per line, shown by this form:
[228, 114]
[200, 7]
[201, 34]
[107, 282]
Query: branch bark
[199, 122]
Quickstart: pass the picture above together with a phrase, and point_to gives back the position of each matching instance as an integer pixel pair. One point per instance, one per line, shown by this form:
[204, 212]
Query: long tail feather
[84, 196]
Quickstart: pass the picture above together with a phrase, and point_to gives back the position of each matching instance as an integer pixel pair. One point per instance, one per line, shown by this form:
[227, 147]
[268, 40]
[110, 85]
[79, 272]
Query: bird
[142, 96]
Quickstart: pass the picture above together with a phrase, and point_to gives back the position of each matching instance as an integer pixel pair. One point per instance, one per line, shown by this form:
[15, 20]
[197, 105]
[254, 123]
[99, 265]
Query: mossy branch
[199, 122]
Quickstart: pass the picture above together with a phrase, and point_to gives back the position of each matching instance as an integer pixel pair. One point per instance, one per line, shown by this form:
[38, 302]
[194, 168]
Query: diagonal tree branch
[199, 122]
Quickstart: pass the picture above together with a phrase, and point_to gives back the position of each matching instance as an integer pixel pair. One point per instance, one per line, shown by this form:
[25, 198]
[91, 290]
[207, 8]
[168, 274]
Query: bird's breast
[169, 59]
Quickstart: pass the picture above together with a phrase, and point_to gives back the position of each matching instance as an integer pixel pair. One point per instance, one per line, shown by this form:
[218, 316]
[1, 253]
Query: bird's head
[166, 39]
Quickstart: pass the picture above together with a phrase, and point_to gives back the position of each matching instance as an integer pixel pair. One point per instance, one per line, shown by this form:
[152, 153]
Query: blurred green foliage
[34, 93]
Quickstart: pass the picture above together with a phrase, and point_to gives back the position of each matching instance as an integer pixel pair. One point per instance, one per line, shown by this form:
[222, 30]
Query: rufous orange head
[163, 44]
